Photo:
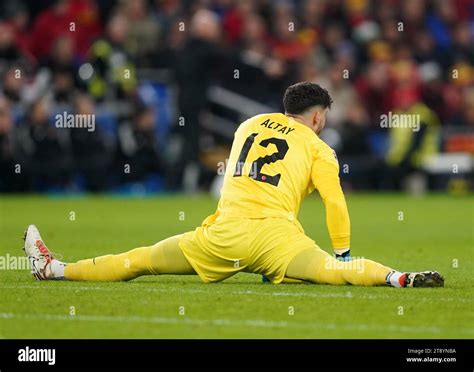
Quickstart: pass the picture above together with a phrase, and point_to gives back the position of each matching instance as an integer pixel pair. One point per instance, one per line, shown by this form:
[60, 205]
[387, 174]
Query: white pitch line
[347, 295]
[259, 323]
[141, 319]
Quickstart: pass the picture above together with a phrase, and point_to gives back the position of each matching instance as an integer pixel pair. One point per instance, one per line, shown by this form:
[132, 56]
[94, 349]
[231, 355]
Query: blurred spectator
[312, 16]
[92, 151]
[285, 43]
[62, 66]
[359, 169]
[166, 13]
[87, 26]
[410, 146]
[138, 147]
[9, 176]
[143, 32]
[334, 41]
[75, 18]
[17, 17]
[375, 90]
[9, 53]
[425, 49]
[195, 68]
[413, 14]
[466, 114]
[114, 74]
[341, 91]
[43, 150]
[440, 21]
[355, 129]
[235, 19]
[254, 62]
[13, 81]
[463, 43]
[433, 88]
[48, 26]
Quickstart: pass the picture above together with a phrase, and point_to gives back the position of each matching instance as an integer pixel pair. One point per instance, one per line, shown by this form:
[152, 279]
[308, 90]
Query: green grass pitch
[436, 232]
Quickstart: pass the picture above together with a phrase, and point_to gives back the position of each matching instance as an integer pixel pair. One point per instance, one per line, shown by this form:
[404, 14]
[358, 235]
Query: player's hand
[346, 256]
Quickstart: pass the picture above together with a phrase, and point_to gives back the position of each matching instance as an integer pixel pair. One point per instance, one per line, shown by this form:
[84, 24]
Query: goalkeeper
[275, 161]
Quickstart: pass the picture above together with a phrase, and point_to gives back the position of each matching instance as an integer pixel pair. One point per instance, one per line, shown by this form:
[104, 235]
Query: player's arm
[325, 178]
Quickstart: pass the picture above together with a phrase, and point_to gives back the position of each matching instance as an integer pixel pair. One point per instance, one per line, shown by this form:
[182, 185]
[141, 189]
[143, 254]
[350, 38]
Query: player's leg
[317, 266]
[164, 257]
[280, 250]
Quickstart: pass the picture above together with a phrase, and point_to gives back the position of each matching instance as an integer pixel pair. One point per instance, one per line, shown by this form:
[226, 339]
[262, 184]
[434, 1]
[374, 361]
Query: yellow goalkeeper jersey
[274, 163]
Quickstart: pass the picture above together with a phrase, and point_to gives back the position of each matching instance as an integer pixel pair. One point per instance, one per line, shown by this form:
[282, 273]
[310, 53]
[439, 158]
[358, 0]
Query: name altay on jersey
[284, 129]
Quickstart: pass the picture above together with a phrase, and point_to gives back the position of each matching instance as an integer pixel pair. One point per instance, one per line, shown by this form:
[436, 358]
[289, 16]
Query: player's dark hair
[301, 96]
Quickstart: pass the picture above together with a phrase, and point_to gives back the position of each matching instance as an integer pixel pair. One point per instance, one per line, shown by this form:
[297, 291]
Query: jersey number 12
[256, 167]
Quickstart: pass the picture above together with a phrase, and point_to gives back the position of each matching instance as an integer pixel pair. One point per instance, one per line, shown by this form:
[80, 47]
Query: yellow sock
[165, 257]
[318, 266]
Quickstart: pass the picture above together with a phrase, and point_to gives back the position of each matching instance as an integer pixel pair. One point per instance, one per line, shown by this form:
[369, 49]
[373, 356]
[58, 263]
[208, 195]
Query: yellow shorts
[222, 248]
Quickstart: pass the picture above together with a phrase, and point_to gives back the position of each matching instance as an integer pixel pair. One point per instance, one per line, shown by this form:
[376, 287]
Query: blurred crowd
[91, 58]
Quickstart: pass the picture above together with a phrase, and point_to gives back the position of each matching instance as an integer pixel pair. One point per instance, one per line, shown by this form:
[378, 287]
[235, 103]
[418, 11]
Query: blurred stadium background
[170, 80]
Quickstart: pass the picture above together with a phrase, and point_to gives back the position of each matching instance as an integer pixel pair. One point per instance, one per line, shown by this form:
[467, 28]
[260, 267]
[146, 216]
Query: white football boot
[44, 266]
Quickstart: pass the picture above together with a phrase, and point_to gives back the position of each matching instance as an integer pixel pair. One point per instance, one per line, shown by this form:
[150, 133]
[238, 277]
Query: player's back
[269, 168]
